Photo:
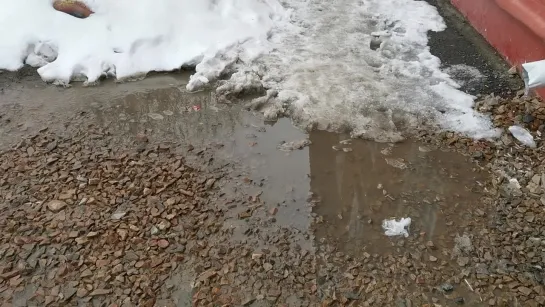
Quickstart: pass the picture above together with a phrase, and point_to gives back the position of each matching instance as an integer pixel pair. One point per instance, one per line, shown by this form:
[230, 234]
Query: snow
[393, 227]
[314, 58]
[126, 38]
[335, 81]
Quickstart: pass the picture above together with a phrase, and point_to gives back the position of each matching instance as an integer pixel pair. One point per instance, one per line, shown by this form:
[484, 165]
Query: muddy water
[359, 183]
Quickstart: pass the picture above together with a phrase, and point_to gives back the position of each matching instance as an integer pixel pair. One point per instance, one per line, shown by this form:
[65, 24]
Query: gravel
[90, 220]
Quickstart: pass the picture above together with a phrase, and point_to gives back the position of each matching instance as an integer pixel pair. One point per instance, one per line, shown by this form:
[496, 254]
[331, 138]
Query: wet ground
[353, 185]
[353, 180]
[373, 182]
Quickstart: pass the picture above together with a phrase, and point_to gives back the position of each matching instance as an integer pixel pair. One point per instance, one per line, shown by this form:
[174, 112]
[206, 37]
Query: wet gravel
[92, 215]
[505, 264]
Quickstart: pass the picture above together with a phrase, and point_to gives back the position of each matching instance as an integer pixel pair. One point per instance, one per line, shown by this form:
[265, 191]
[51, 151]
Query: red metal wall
[502, 28]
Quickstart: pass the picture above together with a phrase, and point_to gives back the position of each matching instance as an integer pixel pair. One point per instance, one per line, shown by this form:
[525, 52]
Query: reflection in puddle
[360, 183]
[360, 187]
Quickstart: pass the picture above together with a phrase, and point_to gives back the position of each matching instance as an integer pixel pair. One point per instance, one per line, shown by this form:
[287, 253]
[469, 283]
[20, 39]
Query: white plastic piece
[523, 136]
[393, 227]
[533, 74]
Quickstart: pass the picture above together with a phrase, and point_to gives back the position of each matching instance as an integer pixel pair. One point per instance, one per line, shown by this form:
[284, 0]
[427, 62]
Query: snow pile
[363, 67]
[396, 228]
[126, 38]
[354, 66]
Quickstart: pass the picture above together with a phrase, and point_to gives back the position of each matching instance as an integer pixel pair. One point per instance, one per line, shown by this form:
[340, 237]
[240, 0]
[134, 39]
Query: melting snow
[356, 65]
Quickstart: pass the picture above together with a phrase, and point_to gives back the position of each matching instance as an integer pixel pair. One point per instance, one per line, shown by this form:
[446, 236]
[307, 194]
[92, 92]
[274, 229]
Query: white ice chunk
[523, 136]
[395, 227]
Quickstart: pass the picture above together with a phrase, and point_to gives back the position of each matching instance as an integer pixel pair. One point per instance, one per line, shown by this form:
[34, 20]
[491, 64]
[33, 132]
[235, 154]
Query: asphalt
[460, 44]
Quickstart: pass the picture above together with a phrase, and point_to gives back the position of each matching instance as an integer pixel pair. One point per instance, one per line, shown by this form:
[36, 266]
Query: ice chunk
[395, 227]
[523, 136]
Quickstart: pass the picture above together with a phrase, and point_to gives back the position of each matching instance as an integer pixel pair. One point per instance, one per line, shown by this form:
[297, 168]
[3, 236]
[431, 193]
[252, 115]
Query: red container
[515, 28]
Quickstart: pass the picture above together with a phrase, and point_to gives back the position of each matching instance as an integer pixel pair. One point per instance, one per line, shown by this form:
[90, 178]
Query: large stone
[56, 205]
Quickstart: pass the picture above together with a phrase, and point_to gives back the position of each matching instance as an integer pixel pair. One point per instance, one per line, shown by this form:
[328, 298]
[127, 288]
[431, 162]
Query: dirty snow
[393, 227]
[354, 66]
[325, 72]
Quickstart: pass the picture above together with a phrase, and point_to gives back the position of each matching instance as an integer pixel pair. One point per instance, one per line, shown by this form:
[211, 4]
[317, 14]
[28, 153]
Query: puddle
[360, 183]
[371, 182]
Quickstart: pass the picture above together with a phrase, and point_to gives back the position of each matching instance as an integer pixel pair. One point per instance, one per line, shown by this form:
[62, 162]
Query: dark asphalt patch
[460, 44]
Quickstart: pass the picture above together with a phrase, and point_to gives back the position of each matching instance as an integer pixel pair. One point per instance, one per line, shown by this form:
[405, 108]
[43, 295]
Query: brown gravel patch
[84, 222]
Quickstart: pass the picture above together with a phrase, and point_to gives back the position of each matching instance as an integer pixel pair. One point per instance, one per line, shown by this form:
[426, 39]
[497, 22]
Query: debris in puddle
[155, 116]
[523, 136]
[446, 288]
[346, 149]
[469, 286]
[397, 163]
[336, 148]
[294, 145]
[346, 142]
[424, 149]
[386, 151]
[395, 227]
[379, 186]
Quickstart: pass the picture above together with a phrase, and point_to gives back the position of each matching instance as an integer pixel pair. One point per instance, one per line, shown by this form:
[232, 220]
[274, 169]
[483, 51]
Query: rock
[267, 266]
[459, 300]
[68, 293]
[462, 261]
[102, 263]
[82, 292]
[446, 288]
[94, 181]
[98, 292]
[117, 216]
[210, 183]
[163, 243]
[525, 290]
[187, 193]
[433, 259]
[56, 205]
